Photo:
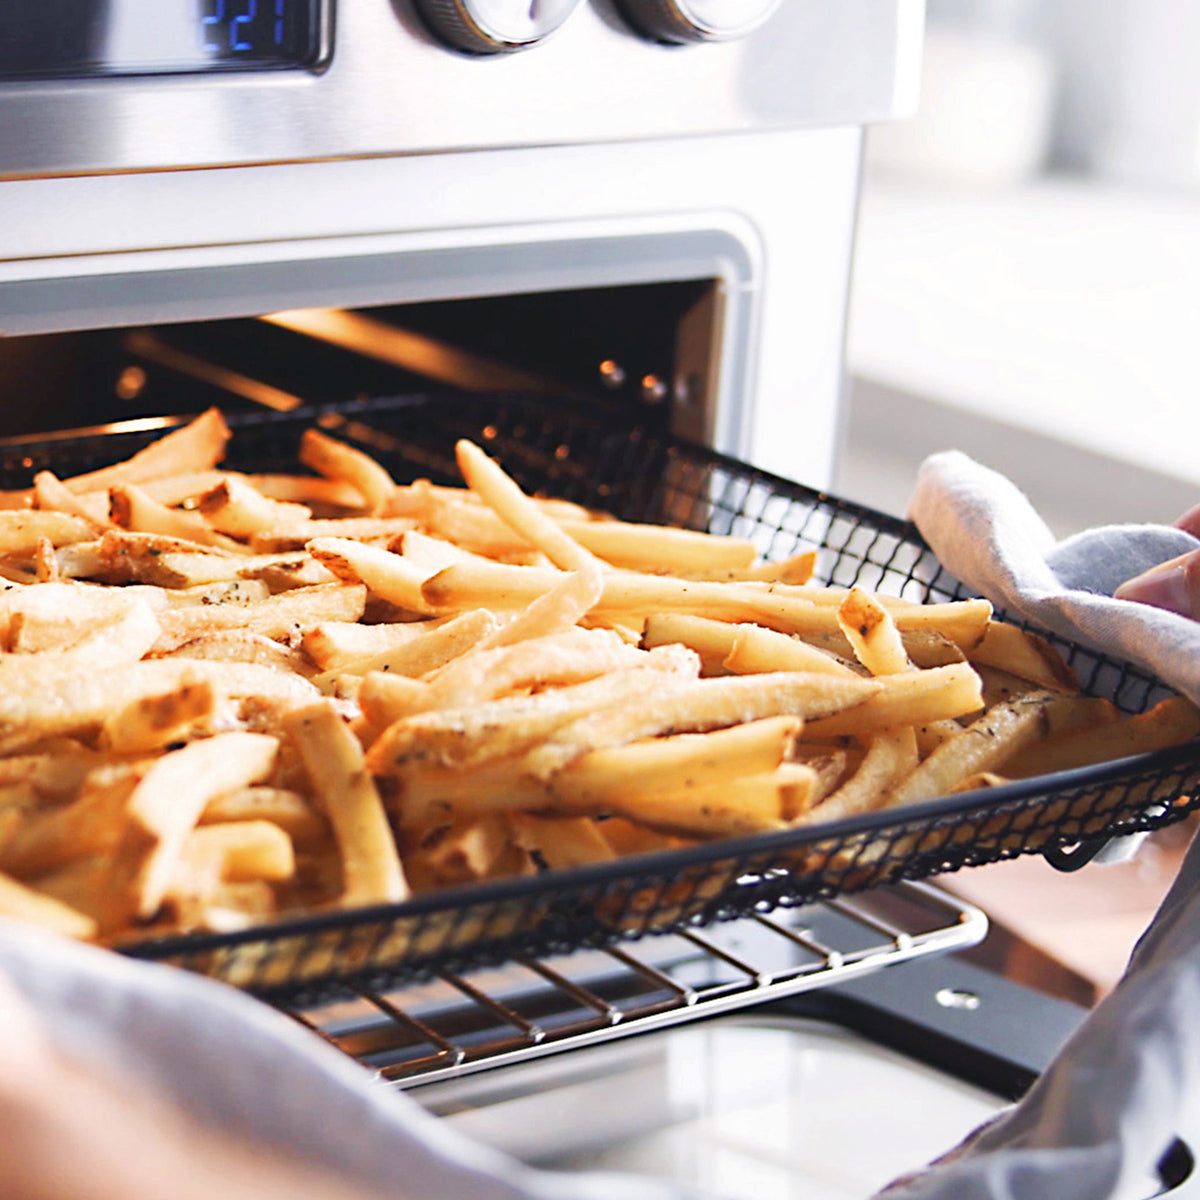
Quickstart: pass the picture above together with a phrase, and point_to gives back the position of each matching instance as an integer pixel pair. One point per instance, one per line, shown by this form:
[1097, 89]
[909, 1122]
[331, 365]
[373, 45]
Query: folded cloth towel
[238, 1066]
[987, 534]
[1127, 1083]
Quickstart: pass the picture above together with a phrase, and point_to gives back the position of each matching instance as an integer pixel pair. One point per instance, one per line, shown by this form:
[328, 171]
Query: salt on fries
[225, 696]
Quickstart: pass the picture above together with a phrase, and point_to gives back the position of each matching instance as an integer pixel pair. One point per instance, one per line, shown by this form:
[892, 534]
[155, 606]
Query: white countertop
[1064, 308]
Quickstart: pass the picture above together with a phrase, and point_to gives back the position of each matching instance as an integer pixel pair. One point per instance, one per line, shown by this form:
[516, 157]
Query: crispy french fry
[234, 508]
[130, 508]
[870, 629]
[1025, 655]
[984, 745]
[168, 801]
[913, 697]
[239, 851]
[389, 576]
[756, 649]
[485, 476]
[1171, 722]
[891, 756]
[333, 759]
[28, 904]
[701, 705]
[22, 529]
[280, 806]
[561, 843]
[152, 722]
[197, 446]
[337, 460]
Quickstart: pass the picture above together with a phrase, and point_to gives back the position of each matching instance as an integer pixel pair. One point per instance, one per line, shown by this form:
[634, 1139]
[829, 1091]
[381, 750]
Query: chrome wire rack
[454, 1025]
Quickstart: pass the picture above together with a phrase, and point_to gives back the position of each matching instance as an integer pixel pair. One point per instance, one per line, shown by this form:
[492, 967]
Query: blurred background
[1027, 289]
[1027, 283]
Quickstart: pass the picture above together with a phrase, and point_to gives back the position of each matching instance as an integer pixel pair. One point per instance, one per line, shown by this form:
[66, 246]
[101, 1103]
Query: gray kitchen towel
[987, 534]
[239, 1066]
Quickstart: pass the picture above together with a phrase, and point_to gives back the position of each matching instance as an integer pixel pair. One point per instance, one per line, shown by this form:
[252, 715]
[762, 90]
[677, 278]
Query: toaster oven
[643, 205]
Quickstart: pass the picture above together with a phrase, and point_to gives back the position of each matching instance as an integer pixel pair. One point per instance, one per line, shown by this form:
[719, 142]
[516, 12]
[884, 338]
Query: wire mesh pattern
[591, 456]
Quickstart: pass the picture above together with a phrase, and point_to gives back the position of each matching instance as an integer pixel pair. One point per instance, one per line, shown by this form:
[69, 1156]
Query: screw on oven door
[957, 998]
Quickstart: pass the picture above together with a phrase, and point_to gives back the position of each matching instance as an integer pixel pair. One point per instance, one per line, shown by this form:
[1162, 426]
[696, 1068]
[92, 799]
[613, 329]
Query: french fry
[387, 575]
[27, 904]
[338, 644]
[561, 843]
[660, 547]
[167, 803]
[621, 778]
[556, 611]
[236, 509]
[701, 705]
[873, 634]
[755, 650]
[485, 476]
[242, 850]
[337, 460]
[1024, 654]
[287, 615]
[891, 756]
[333, 759]
[132, 509]
[152, 722]
[21, 530]
[914, 697]
[280, 806]
[197, 446]
[1169, 723]
[984, 745]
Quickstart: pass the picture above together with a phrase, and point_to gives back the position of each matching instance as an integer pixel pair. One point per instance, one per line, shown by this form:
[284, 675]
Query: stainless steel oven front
[199, 160]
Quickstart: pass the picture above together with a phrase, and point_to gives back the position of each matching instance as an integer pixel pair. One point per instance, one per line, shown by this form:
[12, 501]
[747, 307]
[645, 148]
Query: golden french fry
[561, 843]
[338, 644]
[620, 778]
[197, 446]
[556, 611]
[167, 803]
[913, 697]
[415, 732]
[1025, 655]
[870, 629]
[1171, 722]
[28, 904]
[755, 650]
[890, 757]
[337, 460]
[1001, 732]
[486, 477]
[660, 548]
[333, 760]
[701, 705]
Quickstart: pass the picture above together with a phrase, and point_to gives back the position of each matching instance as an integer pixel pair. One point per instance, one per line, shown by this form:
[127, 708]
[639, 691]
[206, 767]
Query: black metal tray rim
[925, 814]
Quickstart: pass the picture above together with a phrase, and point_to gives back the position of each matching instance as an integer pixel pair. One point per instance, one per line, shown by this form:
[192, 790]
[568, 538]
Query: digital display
[65, 39]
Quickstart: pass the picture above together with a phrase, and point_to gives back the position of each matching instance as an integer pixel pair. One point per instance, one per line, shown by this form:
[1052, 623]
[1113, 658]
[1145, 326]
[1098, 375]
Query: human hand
[1173, 585]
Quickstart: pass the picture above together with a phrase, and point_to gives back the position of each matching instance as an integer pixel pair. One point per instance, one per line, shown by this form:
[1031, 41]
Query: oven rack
[458, 1024]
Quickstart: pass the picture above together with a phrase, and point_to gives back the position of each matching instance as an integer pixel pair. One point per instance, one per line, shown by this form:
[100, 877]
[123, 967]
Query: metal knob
[683, 21]
[495, 26]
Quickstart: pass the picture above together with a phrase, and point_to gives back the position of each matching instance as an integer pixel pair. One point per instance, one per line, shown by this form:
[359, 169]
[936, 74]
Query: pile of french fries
[225, 697]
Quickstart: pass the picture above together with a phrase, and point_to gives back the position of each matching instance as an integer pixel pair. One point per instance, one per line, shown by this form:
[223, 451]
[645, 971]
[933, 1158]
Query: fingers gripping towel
[987, 534]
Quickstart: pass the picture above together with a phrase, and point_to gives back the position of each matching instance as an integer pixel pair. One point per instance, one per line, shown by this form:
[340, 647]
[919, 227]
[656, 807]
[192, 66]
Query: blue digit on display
[211, 22]
[235, 30]
[279, 22]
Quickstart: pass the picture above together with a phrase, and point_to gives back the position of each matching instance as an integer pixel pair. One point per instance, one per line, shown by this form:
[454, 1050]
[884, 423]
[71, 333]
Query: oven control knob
[495, 26]
[683, 21]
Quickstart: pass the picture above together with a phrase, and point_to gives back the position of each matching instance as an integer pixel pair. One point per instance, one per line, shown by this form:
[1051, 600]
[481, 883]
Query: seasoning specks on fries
[225, 697]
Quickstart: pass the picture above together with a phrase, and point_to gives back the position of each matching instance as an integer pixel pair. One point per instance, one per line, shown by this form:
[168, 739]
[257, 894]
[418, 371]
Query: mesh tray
[593, 457]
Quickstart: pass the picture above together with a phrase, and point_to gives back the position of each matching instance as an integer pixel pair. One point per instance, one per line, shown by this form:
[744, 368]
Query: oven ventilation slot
[458, 1024]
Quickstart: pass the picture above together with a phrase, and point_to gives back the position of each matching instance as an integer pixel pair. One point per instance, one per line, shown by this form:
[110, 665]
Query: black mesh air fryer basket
[593, 457]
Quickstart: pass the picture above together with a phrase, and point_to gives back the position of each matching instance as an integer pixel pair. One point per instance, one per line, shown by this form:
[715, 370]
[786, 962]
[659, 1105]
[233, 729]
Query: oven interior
[645, 351]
